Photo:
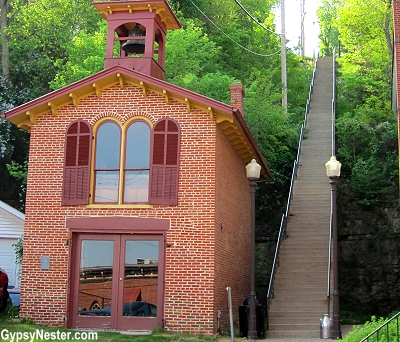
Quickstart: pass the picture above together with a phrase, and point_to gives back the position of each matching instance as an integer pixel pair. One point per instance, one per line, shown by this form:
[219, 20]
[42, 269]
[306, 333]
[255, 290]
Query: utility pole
[303, 14]
[283, 56]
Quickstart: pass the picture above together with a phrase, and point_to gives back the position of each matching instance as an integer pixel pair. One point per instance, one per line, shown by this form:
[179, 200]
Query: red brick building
[137, 191]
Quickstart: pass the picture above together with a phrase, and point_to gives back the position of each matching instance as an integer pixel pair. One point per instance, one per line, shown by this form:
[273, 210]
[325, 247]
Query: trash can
[244, 316]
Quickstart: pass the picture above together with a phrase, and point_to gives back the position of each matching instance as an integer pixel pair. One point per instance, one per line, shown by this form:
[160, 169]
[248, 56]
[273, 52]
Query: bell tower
[136, 34]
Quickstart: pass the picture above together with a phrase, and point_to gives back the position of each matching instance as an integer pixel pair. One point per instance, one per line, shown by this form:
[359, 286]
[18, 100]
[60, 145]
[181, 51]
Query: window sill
[107, 205]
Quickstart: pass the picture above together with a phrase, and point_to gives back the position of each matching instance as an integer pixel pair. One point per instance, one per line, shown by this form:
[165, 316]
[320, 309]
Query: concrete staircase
[300, 297]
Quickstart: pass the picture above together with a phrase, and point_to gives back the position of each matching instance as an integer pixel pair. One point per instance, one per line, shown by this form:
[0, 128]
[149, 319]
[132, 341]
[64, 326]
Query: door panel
[96, 288]
[140, 286]
[116, 281]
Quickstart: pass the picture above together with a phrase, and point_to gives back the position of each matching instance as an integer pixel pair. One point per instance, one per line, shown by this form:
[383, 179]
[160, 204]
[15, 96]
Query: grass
[10, 327]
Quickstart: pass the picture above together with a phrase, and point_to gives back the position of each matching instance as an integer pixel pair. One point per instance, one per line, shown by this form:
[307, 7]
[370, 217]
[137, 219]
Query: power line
[255, 53]
[255, 20]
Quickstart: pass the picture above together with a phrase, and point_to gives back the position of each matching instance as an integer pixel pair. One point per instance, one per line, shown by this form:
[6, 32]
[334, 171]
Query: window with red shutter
[165, 163]
[78, 143]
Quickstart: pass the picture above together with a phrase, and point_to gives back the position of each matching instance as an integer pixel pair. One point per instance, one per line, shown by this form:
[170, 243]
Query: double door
[117, 281]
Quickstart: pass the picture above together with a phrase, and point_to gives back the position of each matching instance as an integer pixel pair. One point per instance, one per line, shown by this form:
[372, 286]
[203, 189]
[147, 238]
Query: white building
[11, 229]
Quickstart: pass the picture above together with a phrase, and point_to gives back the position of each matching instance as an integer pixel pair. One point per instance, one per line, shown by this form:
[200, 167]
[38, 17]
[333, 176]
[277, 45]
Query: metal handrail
[386, 324]
[328, 294]
[285, 216]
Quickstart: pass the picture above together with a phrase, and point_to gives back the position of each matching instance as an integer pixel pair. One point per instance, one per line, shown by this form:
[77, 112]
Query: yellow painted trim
[27, 123]
[32, 117]
[132, 206]
[74, 98]
[97, 89]
[187, 104]
[144, 88]
[210, 110]
[121, 80]
[150, 8]
[222, 118]
[109, 10]
[129, 8]
[136, 118]
[53, 108]
[121, 165]
[166, 96]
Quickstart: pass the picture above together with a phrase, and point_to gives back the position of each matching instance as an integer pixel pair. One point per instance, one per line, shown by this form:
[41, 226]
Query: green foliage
[84, 57]
[19, 171]
[14, 144]
[329, 34]
[39, 35]
[277, 134]
[366, 127]
[360, 332]
[199, 71]
[18, 248]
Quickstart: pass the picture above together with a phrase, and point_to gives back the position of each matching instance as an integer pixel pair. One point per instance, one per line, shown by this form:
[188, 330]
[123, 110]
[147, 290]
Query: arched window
[107, 163]
[132, 163]
[77, 163]
[137, 163]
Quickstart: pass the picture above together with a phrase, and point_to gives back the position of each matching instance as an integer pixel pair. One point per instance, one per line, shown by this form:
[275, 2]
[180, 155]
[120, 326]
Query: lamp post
[333, 172]
[253, 174]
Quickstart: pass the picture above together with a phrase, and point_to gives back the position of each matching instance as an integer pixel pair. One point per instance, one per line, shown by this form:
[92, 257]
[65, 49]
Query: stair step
[302, 293]
[316, 311]
[293, 334]
[293, 326]
[294, 320]
[298, 302]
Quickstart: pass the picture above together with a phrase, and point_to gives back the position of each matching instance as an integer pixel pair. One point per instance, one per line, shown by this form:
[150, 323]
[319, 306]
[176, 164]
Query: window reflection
[141, 278]
[95, 276]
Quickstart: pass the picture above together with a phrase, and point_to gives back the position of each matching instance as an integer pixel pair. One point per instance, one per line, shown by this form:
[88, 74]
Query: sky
[293, 10]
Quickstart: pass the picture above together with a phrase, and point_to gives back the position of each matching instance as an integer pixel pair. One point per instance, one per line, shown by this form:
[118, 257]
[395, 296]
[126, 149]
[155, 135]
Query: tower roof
[160, 7]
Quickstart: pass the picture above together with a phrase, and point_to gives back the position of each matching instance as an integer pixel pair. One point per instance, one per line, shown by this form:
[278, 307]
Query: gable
[229, 118]
[11, 222]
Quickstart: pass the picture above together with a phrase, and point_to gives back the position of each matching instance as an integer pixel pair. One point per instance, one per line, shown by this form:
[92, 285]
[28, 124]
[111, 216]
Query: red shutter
[78, 144]
[165, 163]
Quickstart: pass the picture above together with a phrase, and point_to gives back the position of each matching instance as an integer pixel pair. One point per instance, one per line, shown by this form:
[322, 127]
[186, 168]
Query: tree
[329, 34]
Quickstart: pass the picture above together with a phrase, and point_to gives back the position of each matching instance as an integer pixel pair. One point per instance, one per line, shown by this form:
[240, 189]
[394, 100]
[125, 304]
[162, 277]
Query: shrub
[387, 334]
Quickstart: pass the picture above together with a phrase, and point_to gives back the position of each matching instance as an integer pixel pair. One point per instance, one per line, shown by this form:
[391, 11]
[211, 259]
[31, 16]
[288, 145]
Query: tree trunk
[5, 59]
[388, 30]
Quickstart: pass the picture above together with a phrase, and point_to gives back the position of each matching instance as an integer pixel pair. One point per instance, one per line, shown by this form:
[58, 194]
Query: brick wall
[232, 232]
[190, 265]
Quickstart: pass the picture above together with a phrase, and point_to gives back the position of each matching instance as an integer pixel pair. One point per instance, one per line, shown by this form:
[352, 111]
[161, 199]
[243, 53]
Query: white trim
[12, 211]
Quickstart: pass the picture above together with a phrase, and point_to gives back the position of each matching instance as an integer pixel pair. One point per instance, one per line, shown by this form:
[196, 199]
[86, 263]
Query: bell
[135, 46]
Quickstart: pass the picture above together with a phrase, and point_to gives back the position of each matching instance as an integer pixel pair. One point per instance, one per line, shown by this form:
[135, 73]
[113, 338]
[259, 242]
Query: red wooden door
[117, 281]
